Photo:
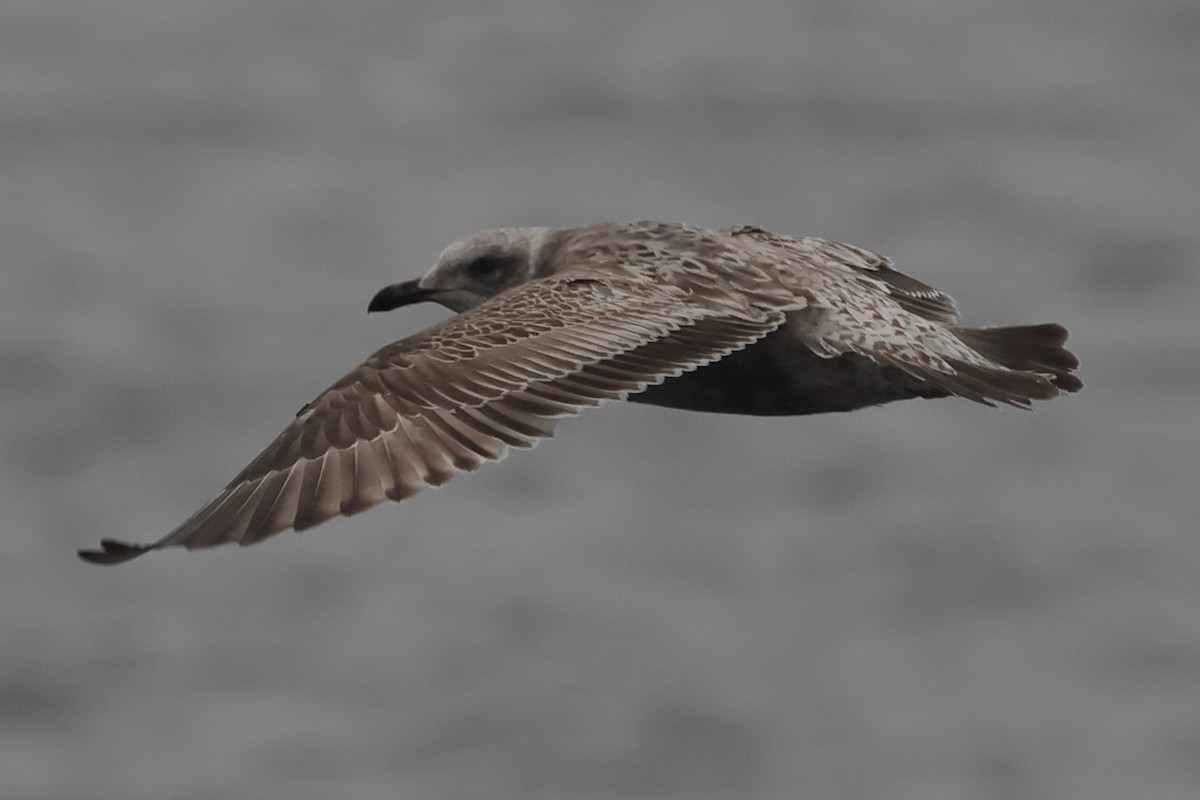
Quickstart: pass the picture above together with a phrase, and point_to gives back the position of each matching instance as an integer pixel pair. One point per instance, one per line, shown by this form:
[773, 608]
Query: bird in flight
[552, 321]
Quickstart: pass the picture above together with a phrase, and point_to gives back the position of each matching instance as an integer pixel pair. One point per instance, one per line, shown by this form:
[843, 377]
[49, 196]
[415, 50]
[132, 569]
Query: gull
[552, 321]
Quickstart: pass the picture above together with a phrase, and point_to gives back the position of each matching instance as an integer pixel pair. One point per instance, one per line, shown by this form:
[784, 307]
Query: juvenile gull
[550, 322]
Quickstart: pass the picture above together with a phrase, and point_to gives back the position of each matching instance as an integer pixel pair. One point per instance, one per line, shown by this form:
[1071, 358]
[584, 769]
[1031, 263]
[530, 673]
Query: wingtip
[113, 552]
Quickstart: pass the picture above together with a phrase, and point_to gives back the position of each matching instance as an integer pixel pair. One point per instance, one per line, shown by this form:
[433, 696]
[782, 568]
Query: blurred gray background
[928, 600]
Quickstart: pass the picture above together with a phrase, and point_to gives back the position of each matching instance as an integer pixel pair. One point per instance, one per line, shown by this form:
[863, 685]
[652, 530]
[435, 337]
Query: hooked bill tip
[398, 294]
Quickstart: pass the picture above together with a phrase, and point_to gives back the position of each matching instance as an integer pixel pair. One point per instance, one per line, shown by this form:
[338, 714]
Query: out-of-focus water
[929, 600]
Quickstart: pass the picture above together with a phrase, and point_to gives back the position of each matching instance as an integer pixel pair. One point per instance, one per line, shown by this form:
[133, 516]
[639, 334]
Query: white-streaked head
[470, 271]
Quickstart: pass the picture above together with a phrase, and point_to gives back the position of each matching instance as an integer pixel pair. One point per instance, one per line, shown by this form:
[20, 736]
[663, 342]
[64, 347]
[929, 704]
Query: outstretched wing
[461, 393]
[857, 303]
[871, 269]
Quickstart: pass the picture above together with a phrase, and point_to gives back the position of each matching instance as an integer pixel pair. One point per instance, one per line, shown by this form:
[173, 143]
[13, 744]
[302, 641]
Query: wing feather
[860, 304]
[462, 393]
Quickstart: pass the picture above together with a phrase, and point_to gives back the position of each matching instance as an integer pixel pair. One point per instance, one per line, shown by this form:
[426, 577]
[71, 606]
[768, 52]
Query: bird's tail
[1028, 348]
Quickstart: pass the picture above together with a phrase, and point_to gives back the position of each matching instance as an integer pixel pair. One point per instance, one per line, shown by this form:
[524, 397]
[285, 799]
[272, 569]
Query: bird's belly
[779, 376]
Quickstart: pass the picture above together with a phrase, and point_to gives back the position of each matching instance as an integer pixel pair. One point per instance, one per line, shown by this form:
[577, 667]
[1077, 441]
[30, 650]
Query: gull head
[470, 271]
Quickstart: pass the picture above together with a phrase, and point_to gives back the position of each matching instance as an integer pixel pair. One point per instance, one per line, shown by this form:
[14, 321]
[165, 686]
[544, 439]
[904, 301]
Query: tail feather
[1035, 349]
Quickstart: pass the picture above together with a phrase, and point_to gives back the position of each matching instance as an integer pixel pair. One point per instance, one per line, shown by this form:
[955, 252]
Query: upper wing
[461, 393]
[871, 269]
[857, 303]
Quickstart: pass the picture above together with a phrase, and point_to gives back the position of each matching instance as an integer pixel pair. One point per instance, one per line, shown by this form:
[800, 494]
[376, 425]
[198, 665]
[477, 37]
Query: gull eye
[487, 267]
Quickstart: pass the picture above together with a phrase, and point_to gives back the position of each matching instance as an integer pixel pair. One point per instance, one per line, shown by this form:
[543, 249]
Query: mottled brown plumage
[736, 320]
